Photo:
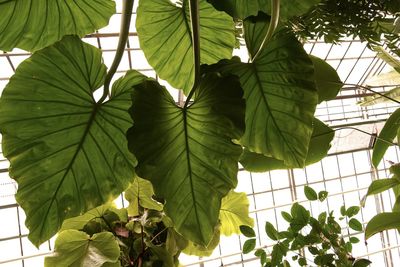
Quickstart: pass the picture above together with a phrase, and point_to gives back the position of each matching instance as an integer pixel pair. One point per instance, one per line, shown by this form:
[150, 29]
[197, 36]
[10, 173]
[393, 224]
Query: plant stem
[123, 37]
[273, 24]
[195, 24]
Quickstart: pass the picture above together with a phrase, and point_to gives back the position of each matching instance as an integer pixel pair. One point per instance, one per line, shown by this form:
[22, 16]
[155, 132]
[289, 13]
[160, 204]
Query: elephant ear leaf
[166, 41]
[32, 25]
[187, 152]
[67, 153]
[75, 248]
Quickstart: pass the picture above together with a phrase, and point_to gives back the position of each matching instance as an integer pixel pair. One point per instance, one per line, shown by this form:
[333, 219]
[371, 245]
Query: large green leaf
[165, 38]
[234, 213]
[140, 193]
[187, 153]
[326, 79]
[381, 222]
[320, 144]
[386, 136]
[202, 250]
[244, 8]
[68, 153]
[280, 95]
[76, 248]
[35, 24]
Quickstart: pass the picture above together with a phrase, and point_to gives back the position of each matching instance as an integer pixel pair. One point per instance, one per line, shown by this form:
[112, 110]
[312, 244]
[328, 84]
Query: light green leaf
[387, 57]
[381, 185]
[381, 222]
[165, 38]
[75, 248]
[68, 153]
[79, 222]
[187, 153]
[203, 250]
[280, 98]
[141, 193]
[33, 25]
[327, 80]
[386, 136]
[381, 98]
[389, 78]
[300, 217]
[352, 211]
[319, 146]
[234, 213]
[310, 193]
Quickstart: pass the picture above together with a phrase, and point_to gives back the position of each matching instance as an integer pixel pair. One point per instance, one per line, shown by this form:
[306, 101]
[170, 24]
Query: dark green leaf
[140, 193]
[355, 224]
[280, 99]
[291, 8]
[318, 148]
[241, 8]
[354, 240]
[32, 25]
[187, 153]
[234, 213]
[300, 217]
[313, 250]
[327, 80]
[302, 261]
[352, 211]
[247, 231]
[361, 263]
[286, 216]
[322, 217]
[162, 255]
[249, 245]
[322, 195]
[271, 231]
[165, 37]
[278, 251]
[68, 153]
[310, 193]
[262, 255]
[381, 222]
[343, 210]
[381, 185]
[348, 247]
[75, 248]
[395, 170]
[386, 136]
[175, 243]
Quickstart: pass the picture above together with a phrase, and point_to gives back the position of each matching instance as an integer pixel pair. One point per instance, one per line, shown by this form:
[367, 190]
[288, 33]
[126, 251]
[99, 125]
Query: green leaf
[278, 251]
[165, 37]
[322, 195]
[361, 263]
[354, 240]
[352, 211]
[280, 99]
[271, 231]
[388, 133]
[75, 248]
[234, 213]
[204, 250]
[381, 222]
[262, 255]
[310, 193]
[68, 153]
[343, 210]
[300, 217]
[382, 185]
[355, 225]
[79, 222]
[141, 193]
[302, 261]
[32, 25]
[322, 217]
[187, 153]
[240, 9]
[249, 245]
[318, 148]
[286, 216]
[247, 231]
[327, 80]
[291, 8]
[162, 255]
[175, 243]
[387, 57]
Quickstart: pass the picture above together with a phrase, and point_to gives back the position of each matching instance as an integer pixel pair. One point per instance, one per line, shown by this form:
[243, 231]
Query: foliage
[320, 236]
[71, 152]
[364, 19]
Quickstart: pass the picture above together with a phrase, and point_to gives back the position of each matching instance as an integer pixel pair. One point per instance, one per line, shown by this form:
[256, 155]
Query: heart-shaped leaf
[32, 25]
[165, 37]
[76, 248]
[187, 153]
[68, 153]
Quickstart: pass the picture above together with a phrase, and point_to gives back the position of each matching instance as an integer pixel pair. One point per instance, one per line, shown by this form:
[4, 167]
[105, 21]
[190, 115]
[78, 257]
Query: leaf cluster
[321, 237]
